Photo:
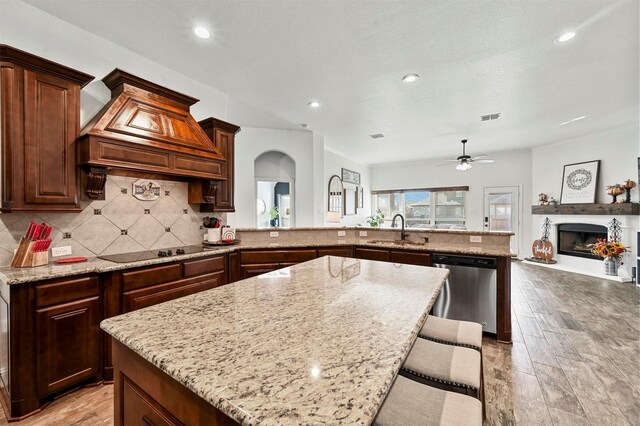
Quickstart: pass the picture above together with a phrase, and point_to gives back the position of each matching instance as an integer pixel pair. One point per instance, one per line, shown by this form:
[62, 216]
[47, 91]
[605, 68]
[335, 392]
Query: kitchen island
[320, 342]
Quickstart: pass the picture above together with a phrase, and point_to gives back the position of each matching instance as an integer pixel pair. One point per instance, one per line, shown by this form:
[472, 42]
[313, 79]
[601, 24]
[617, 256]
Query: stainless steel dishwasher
[469, 294]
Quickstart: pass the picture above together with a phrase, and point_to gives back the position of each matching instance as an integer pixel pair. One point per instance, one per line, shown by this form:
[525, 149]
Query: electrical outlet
[60, 251]
[273, 234]
[363, 233]
[475, 239]
[342, 233]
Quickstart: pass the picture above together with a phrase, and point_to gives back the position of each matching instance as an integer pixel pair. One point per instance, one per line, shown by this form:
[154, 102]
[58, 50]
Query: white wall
[251, 142]
[512, 168]
[333, 164]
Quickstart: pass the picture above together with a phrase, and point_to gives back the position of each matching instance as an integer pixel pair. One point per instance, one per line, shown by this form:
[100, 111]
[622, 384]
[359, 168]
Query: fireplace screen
[574, 239]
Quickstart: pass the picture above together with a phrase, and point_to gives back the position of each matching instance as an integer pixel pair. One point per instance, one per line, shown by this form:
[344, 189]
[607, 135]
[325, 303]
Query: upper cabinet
[39, 125]
[217, 195]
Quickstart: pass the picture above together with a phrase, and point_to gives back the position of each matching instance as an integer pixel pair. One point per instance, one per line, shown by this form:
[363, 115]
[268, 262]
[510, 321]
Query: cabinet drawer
[150, 296]
[277, 256]
[140, 409]
[342, 252]
[203, 266]
[66, 291]
[410, 258]
[150, 276]
[372, 254]
[249, 271]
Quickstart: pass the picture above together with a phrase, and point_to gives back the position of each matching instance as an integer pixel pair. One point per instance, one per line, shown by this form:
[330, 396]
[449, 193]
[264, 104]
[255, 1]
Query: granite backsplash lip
[258, 360]
[368, 228]
[12, 276]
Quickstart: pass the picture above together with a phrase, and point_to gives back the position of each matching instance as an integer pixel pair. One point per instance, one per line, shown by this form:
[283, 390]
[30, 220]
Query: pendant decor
[543, 248]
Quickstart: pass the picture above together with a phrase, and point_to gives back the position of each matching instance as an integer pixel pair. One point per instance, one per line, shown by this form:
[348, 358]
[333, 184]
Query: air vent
[377, 136]
[490, 117]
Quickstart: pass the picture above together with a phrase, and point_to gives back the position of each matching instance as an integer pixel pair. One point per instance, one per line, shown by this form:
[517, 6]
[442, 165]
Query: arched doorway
[274, 176]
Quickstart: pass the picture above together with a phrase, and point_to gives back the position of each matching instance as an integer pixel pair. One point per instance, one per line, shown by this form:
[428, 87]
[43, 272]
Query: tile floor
[575, 358]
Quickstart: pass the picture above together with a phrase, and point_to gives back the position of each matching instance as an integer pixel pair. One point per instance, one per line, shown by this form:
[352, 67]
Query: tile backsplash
[118, 224]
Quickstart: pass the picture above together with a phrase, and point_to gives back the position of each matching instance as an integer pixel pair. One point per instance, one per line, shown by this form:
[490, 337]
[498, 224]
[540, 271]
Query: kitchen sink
[398, 242]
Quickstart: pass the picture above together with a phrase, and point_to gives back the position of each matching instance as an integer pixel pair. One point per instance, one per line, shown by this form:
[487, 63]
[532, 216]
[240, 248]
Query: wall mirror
[350, 201]
[335, 194]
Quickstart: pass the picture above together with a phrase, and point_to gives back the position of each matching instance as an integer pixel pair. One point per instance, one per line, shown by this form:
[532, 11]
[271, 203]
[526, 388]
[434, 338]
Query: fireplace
[573, 239]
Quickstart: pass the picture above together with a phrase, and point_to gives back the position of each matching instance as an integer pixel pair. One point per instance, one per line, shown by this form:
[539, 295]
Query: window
[423, 208]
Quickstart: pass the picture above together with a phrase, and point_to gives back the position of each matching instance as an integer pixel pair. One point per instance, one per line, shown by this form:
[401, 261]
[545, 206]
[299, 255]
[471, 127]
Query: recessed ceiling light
[202, 32]
[314, 104]
[566, 36]
[410, 78]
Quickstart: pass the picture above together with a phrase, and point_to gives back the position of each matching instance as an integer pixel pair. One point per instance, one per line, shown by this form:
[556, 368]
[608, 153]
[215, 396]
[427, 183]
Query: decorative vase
[610, 266]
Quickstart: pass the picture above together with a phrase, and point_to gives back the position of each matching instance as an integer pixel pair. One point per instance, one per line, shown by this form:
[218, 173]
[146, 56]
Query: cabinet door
[338, 251]
[67, 344]
[140, 409]
[224, 141]
[248, 271]
[410, 258]
[51, 120]
[372, 254]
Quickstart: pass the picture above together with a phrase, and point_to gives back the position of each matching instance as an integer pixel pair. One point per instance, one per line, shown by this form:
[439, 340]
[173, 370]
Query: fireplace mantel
[625, 209]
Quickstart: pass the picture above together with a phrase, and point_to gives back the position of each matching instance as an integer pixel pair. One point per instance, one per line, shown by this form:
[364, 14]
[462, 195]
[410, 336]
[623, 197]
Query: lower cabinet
[67, 345]
[396, 256]
[372, 254]
[140, 409]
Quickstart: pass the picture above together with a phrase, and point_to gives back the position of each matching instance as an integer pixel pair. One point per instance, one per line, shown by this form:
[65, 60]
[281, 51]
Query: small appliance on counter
[33, 249]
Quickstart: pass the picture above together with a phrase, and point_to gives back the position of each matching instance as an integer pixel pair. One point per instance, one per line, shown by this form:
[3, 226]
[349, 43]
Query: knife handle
[47, 234]
[30, 229]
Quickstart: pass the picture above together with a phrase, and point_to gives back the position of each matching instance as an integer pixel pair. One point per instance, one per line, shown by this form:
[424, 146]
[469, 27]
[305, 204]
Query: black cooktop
[151, 254]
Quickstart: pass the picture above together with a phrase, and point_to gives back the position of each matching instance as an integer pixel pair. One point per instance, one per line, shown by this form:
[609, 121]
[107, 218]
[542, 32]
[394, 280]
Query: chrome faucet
[403, 234]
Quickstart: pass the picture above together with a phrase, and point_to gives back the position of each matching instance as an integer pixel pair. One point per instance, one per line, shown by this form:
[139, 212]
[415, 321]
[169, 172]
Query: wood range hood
[146, 130]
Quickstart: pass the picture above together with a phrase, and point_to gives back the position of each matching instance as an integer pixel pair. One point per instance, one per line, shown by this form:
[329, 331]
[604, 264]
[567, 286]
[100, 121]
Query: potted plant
[274, 214]
[611, 252]
[376, 220]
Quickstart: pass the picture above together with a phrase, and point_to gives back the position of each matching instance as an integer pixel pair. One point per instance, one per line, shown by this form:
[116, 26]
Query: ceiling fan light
[460, 167]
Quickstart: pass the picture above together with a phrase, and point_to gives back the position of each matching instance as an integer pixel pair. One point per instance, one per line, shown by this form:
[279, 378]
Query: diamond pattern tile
[123, 244]
[67, 222]
[146, 231]
[167, 240]
[123, 211]
[77, 249]
[97, 233]
[166, 211]
[111, 191]
[187, 229]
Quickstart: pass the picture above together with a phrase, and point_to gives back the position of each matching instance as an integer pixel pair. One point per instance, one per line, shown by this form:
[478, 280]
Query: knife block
[26, 258]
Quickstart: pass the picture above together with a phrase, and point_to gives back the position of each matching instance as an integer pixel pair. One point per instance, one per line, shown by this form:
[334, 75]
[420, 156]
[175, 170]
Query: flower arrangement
[376, 220]
[605, 249]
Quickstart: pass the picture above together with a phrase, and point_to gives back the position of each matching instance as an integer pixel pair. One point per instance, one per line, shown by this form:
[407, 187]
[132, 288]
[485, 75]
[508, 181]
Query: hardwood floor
[575, 359]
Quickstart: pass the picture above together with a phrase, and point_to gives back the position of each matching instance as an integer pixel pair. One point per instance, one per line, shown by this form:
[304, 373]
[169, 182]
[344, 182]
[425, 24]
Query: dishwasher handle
[472, 261]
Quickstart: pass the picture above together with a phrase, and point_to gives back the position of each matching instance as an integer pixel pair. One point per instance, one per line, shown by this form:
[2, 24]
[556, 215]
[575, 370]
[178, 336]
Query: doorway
[274, 204]
[501, 209]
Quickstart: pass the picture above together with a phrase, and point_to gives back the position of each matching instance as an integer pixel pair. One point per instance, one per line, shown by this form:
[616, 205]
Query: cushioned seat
[452, 332]
[447, 367]
[411, 403]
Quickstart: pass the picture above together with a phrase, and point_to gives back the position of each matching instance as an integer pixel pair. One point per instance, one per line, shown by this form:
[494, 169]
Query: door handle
[486, 221]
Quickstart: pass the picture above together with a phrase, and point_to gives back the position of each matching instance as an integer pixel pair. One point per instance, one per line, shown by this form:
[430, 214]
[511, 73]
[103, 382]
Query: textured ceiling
[474, 57]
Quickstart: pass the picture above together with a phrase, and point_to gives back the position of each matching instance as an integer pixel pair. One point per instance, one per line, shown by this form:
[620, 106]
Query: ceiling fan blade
[487, 160]
[480, 156]
[444, 164]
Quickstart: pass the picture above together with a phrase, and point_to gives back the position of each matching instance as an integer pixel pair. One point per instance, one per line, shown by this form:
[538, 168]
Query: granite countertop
[316, 343]
[11, 276]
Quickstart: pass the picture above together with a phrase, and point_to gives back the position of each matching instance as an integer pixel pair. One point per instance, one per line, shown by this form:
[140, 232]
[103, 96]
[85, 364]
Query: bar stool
[412, 403]
[452, 332]
[458, 333]
[447, 367]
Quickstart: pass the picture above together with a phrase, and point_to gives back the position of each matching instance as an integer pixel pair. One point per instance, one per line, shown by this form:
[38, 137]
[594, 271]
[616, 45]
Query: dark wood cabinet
[257, 262]
[220, 191]
[140, 409]
[336, 251]
[39, 123]
[372, 254]
[67, 345]
[410, 258]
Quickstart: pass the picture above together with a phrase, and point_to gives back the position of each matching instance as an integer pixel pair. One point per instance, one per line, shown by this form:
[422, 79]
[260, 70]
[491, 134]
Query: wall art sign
[349, 176]
[579, 183]
[360, 197]
[146, 190]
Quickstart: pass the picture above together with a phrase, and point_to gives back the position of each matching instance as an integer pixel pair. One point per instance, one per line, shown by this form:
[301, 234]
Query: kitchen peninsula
[319, 342]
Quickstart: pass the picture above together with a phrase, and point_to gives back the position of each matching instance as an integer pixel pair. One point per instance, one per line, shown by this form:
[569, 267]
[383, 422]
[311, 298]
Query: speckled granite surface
[367, 228]
[13, 276]
[316, 343]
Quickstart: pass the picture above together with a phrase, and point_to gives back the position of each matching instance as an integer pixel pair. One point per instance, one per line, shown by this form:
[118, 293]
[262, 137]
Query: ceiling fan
[464, 161]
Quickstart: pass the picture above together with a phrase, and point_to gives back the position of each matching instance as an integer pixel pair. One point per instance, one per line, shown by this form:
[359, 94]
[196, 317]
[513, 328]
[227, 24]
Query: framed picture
[579, 183]
[350, 201]
[349, 176]
[360, 197]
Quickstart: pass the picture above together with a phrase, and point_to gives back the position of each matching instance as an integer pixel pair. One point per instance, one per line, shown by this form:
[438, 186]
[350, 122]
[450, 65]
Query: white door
[502, 212]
